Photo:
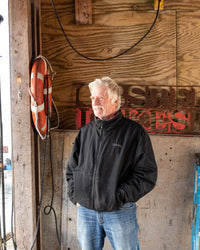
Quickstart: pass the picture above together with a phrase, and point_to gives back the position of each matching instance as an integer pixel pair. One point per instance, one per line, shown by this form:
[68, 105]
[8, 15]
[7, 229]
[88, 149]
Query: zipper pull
[101, 128]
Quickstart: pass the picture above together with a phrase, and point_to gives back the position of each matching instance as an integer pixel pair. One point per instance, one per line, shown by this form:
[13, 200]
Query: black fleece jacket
[112, 163]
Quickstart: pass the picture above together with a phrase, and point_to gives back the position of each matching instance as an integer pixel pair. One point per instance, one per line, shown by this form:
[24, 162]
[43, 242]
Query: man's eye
[98, 98]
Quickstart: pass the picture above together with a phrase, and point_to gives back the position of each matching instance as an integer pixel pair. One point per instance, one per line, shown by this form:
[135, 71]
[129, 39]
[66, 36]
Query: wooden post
[22, 133]
[83, 11]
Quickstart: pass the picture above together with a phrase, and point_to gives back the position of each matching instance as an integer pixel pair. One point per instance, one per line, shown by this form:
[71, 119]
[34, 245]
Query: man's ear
[116, 103]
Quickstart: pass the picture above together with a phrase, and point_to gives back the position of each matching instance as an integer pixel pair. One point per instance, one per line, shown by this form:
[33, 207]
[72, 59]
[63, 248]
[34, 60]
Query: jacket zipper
[100, 144]
[96, 164]
[101, 128]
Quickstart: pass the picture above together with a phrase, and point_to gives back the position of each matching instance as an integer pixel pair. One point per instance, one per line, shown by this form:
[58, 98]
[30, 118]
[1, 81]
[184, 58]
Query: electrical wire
[41, 196]
[50, 207]
[108, 58]
[12, 233]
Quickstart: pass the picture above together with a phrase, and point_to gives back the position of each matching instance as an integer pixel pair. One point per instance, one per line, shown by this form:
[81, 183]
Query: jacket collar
[107, 125]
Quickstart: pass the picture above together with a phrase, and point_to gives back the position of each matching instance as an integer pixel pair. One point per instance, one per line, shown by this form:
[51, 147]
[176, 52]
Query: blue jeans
[120, 227]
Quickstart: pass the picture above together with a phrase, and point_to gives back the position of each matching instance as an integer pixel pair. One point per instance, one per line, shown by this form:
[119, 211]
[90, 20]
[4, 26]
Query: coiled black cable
[108, 58]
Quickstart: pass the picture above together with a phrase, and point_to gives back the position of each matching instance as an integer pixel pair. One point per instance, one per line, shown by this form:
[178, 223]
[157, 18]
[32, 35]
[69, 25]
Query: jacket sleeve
[143, 175]
[71, 166]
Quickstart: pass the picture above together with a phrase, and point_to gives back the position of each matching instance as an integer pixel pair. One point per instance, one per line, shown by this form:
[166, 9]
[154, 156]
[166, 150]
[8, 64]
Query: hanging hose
[2, 169]
[50, 207]
[12, 233]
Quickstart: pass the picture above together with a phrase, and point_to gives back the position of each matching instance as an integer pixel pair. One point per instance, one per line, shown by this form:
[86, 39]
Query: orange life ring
[40, 86]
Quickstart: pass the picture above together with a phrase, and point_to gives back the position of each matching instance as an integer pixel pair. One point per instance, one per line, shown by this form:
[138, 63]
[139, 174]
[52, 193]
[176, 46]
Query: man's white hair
[113, 89]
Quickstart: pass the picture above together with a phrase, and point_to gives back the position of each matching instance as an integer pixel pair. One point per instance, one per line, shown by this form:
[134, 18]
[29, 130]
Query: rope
[47, 62]
[108, 58]
[58, 117]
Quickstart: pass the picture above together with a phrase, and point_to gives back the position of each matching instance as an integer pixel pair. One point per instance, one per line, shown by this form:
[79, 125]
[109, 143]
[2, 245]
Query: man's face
[101, 104]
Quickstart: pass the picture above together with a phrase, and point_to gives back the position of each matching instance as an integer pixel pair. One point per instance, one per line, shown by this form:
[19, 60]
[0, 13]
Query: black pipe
[1, 18]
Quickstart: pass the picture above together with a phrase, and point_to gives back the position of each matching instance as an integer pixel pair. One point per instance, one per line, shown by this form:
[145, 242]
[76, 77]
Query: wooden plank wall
[168, 56]
[115, 28]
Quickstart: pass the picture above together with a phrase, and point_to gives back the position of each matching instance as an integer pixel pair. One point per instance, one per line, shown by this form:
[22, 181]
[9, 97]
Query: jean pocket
[128, 205]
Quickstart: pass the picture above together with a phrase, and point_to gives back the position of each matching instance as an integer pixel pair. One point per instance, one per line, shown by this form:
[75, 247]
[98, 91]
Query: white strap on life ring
[39, 76]
[45, 91]
[38, 108]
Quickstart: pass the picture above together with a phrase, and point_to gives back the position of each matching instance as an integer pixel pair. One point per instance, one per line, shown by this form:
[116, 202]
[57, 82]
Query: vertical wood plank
[188, 48]
[68, 238]
[83, 11]
[48, 221]
[22, 136]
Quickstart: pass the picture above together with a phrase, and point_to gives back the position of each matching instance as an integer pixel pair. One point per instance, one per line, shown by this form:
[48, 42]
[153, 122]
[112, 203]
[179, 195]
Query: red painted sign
[159, 109]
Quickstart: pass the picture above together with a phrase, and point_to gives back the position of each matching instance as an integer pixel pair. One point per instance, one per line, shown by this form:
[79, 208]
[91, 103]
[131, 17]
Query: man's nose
[96, 101]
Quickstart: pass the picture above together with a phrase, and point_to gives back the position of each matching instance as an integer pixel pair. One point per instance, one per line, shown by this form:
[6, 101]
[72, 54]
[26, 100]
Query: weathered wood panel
[188, 48]
[83, 11]
[182, 5]
[165, 214]
[69, 239]
[141, 5]
[153, 61]
[23, 161]
[51, 152]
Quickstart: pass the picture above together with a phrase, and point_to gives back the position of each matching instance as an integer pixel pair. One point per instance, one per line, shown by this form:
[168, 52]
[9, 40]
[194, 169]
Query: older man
[111, 166]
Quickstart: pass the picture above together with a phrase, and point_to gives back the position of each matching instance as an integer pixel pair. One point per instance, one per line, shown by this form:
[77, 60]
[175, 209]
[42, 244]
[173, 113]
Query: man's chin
[98, 114]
